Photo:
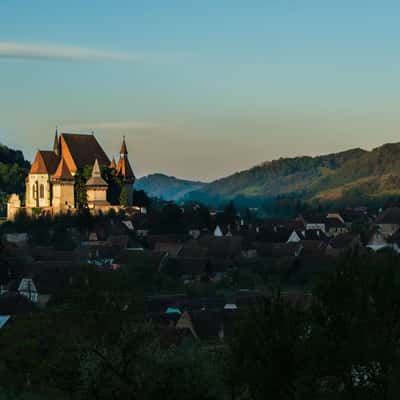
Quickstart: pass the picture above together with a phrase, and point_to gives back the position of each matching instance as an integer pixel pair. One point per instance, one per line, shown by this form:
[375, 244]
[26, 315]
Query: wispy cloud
[40, 51]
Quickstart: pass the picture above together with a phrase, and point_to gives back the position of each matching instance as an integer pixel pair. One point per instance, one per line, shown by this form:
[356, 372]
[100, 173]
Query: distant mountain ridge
[331, 177]
[167, 187]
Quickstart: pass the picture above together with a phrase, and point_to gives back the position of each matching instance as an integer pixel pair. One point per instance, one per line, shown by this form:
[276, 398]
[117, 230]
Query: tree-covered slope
[13, 171]
[331, 177]
[166, 187]
[282, 176]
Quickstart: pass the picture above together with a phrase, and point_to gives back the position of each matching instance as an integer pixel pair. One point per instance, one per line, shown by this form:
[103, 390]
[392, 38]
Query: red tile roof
[63, 173]
[113, 164]
[124, 169]
[45, 162]
[124, 149]
[81, 150]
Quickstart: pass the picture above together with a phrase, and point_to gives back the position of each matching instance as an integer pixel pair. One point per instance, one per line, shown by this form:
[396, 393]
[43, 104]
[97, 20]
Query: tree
[123, 197]
[140, 198]
[80, 189]
[265, 354]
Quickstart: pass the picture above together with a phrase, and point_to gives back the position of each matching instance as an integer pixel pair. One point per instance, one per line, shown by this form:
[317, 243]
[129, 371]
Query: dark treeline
[13, 171]
[92, 343]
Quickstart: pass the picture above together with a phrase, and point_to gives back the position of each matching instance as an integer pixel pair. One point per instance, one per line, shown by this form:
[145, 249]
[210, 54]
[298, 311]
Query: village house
[331, 224]
[376, 241]
[388, 221]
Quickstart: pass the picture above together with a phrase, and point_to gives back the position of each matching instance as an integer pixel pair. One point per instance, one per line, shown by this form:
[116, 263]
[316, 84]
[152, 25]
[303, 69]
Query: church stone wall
[39, 187]
[63, 196]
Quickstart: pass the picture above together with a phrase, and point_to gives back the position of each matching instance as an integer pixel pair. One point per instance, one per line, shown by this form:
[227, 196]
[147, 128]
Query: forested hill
[13, 171]
[333, 177]
[166, 187]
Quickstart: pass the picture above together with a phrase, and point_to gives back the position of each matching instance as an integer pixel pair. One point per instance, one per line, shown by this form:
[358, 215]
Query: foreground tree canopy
[92, 343]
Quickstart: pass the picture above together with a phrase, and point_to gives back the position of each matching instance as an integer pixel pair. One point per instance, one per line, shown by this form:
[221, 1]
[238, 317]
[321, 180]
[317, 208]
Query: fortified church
[51, 183]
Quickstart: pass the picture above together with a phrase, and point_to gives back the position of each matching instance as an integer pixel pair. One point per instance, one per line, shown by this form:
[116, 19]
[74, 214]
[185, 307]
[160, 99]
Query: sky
[201, 89]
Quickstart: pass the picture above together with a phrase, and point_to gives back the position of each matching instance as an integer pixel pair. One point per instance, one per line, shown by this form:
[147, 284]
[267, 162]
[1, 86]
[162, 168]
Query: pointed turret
[113, 164]
[96, 179]
[124, 169]
[124, 150]
[125, 172]
[96, 188]
[56, 146]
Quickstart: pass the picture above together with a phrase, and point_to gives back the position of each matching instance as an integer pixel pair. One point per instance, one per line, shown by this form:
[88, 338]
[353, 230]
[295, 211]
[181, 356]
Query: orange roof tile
[124, 169]
[113, 164]
[63, 173]
[81, 150]
[45, 162]
[124, 149]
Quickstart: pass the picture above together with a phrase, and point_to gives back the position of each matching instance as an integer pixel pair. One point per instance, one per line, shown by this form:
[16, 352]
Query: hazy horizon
[201, 90]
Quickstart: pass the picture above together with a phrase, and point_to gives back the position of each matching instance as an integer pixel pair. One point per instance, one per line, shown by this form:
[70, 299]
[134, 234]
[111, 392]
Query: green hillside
[13, 171]
[332, 177]
[166, 187]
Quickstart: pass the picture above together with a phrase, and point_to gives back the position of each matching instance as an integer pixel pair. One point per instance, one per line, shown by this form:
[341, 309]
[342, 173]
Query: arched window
[34, 192]
[41, 190]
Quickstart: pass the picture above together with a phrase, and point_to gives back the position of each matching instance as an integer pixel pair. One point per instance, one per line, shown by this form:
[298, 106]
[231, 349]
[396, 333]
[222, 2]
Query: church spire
[113, 164]
[124, 150]
[56, 146]
[96, 179]
[124, 169]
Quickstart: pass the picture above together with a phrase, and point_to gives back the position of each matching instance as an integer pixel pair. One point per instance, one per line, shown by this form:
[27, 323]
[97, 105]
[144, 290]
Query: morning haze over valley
[199, 200]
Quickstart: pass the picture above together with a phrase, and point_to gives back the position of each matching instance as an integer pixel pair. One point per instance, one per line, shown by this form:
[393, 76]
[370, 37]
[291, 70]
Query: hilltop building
[51, 186]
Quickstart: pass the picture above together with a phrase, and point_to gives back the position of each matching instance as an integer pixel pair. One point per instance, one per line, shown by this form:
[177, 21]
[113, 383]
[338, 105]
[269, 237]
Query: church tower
[96, 188]
[125, 173]
[57, 144]
[63, 189]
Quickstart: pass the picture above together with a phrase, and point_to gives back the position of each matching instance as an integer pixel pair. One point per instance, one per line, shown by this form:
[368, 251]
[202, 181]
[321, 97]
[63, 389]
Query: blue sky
[201, 88]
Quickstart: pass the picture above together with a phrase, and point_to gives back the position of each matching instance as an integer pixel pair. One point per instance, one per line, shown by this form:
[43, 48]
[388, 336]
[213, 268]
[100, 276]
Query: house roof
[152, 239]
[3, 320]
[335, 223]
[140, 258]
[275, 234]
[45, 162]
[193, 251]
[42, 253]
[50, 281]
[313, 247]
[277, 249]
[245, 298]
[171, 248]
[160, 303]
[279, 223]
[13, 303]
[185, 266]
[203, 303]
[389, 216]
[207, 324]
[226, 247]
[81, 150]
[63, 173]
[395, 238]
[344, 241]
[312, 234]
